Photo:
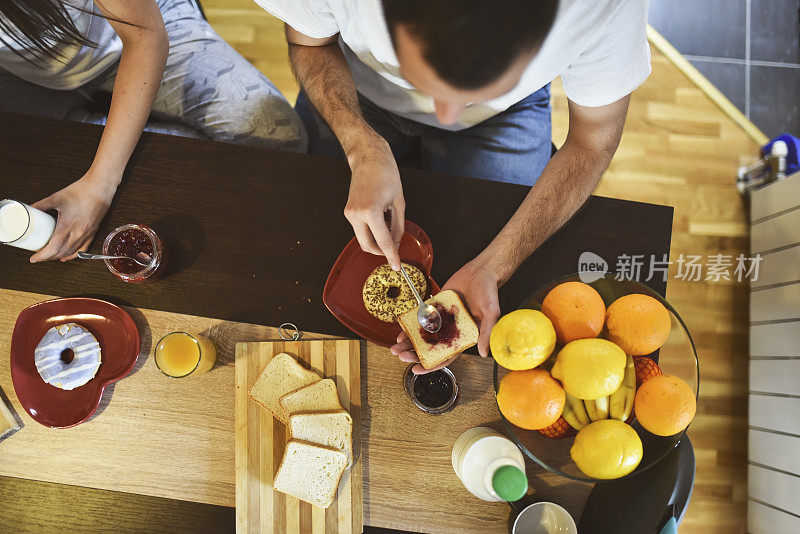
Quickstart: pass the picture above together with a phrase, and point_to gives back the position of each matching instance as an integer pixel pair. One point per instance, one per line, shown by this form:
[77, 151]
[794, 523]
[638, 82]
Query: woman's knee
[268, 122]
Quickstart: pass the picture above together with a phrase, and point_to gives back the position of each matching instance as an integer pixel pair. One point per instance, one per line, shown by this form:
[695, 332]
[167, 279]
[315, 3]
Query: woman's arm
[83, 204]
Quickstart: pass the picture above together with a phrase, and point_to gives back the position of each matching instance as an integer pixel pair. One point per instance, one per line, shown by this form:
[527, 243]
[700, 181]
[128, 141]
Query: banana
[591, 409]
[570, 417]
[622, 400]
[597, 408]
[579, 409]
[575, 413]
[602, 407]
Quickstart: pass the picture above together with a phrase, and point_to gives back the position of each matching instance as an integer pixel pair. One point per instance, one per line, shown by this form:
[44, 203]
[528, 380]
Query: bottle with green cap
[490, 465]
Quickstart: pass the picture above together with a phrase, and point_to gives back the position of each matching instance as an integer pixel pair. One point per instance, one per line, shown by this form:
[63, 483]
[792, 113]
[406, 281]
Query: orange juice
[180, 354]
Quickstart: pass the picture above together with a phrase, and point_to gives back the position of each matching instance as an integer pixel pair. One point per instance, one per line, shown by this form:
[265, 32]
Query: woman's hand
[80, 206]
[477, 285]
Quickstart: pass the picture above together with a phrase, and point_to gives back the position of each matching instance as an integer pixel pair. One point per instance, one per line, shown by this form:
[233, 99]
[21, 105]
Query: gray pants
[208, 91]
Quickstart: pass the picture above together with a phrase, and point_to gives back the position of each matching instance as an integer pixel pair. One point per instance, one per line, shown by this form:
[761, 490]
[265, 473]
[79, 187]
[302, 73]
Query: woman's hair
[39, 27]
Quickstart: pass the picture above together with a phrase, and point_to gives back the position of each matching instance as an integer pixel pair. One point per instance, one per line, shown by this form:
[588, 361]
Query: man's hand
[564, 185]
[81, 206]
[477, 285]
[404, 351]
[375, 206]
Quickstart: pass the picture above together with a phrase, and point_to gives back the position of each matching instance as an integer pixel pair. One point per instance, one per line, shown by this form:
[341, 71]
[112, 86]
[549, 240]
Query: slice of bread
[458, 332]
[282, 375]
[317, 397]
[310, 472]
[334, 430]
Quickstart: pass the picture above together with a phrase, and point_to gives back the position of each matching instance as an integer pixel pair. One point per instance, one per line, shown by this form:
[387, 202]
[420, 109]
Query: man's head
[462, 51]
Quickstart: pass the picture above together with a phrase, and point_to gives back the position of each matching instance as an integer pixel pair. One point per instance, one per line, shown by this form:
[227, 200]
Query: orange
[530, 399]
[639, 324]
[665, 405]
[576, 310]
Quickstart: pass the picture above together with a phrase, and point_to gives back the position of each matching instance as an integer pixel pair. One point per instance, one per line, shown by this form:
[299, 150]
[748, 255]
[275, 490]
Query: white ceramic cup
[544, 518]
[24, 227]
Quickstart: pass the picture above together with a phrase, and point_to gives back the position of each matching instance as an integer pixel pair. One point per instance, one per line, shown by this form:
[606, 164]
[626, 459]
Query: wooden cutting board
[261, 440]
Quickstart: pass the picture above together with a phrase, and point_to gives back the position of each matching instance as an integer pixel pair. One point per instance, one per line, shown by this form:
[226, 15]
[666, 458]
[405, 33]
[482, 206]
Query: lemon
[590, 368]
[522, 340]
[606, 449]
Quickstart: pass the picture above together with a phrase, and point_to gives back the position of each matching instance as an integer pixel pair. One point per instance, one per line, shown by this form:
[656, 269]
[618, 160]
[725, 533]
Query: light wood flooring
[678, 149]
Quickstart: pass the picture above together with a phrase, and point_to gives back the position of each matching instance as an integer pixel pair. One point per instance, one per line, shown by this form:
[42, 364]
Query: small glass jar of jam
[435, 392]
[134, 241]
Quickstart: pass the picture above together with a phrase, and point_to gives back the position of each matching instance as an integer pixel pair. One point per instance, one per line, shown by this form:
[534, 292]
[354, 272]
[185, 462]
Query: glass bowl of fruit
[595, 381]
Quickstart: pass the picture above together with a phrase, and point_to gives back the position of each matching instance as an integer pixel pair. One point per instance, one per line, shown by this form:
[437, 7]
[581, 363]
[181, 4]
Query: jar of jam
[134, 241]
[435, 392]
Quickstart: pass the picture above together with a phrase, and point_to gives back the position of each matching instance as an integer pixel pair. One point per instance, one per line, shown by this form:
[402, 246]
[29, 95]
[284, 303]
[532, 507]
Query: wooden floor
[678, 149]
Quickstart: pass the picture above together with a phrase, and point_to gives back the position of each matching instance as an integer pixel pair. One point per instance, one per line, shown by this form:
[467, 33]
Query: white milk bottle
[490, 465]
[25, 227]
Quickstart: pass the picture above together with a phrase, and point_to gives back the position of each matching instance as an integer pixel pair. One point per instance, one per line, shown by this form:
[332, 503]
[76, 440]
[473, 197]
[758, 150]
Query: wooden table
[245, 228]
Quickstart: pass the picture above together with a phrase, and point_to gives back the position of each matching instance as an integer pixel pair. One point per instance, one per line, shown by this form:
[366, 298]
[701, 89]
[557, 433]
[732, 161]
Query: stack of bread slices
[320, 447]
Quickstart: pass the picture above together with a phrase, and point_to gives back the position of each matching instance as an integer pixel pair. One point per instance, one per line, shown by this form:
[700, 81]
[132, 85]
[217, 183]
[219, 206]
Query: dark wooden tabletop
[252, 235]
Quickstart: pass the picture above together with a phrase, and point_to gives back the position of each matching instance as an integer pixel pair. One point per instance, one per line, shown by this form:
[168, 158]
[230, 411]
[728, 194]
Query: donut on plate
[64, 372]
[387, 295]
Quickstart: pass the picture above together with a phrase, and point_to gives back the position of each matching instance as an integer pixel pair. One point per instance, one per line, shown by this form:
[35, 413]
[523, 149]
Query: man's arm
[565, 184]
[375, 186]
[563, 187]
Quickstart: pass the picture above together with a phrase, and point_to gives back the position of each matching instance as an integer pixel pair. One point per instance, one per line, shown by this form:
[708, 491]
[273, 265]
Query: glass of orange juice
[179, 354]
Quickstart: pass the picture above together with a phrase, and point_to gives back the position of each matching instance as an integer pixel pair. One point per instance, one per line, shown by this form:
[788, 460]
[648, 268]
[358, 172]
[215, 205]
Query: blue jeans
[513, 146]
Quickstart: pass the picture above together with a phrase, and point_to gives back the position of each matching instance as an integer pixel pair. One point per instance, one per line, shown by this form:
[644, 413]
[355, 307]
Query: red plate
[119, 342]
[343, 289]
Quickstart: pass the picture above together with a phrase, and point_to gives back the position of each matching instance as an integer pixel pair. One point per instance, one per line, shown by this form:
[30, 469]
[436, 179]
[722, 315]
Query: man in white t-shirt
[468, 80]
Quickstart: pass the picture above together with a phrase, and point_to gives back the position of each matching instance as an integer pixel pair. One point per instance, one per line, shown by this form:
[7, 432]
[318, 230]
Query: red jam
[131, 243]
[433, 390]
[447, 333]
[136, 241]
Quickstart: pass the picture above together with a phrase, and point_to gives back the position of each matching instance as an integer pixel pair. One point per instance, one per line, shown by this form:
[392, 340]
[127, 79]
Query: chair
[643, 503]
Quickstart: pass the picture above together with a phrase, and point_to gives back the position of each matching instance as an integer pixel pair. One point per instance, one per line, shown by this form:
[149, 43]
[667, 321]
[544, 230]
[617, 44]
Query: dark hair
[40, 27]
[471, 43]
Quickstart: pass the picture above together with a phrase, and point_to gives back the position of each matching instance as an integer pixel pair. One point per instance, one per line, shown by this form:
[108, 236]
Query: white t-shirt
[598, 47]
[76, 65]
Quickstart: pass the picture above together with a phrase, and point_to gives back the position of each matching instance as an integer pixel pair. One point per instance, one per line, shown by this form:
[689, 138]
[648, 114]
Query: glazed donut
[386, 294]
[84, 363]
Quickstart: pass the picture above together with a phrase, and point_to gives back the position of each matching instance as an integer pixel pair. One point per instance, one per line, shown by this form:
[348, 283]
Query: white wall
[774, 417]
